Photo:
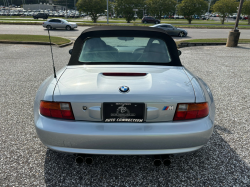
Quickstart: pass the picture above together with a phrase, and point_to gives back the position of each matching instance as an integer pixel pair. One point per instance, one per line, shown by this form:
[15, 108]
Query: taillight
[191, 111]
[61, 110]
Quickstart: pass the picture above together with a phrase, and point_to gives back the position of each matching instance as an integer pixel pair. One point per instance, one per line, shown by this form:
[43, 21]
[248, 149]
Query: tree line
[158, 8]
[155, 8]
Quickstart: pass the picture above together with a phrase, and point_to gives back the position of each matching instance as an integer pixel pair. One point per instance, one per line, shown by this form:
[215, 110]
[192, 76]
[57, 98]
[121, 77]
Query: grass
[122, 20]
[132, 24]
[212, 26]
[214, 40]
[2, 19]
[222, 40]
[33, 38]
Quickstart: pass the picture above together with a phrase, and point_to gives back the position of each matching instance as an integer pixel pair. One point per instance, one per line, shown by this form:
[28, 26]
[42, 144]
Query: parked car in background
[196, 17]
[176, 17]
[149, 19]
[59, 24]
[171, 30]
[41, 15]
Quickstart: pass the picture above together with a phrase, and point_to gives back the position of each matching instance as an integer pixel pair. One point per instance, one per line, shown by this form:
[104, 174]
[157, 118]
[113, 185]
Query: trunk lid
[161, 86]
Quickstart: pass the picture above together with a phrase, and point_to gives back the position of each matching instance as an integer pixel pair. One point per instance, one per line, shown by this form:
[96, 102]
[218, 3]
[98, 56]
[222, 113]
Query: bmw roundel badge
[124, 89]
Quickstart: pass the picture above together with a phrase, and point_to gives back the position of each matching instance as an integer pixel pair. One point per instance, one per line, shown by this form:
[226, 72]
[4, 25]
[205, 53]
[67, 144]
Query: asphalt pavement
[73, 34]
[224, 161]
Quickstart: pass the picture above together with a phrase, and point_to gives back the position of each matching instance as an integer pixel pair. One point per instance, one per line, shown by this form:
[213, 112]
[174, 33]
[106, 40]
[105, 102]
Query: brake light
[124, 74]
[191, 111]
[61, 110]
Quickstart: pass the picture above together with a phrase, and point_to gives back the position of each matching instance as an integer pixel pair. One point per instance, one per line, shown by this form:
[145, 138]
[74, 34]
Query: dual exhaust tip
[158, 160]
[81, 158]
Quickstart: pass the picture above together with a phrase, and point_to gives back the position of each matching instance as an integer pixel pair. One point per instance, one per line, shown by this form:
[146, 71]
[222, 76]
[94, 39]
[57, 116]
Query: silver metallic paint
[128, 138]
[86, 86]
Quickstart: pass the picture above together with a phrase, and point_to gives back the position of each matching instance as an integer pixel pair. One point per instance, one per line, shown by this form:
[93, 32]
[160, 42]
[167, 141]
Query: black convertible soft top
[125, 31]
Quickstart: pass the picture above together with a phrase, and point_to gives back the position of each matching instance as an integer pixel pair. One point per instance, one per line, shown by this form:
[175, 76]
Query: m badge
[168, 108]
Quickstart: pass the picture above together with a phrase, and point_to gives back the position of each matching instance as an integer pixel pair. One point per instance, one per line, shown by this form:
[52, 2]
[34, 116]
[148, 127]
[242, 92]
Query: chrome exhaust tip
[157, 160]
[79, 159]
[166, 161]
[88, 160]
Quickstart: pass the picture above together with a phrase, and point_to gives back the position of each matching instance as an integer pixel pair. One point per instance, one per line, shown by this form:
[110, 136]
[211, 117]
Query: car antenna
[52, 55]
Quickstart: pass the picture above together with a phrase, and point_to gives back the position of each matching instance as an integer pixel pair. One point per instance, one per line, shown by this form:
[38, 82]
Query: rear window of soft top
[125, 49]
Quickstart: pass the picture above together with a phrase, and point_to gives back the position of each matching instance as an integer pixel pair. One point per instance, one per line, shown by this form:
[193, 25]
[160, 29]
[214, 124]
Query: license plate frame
[120, 112]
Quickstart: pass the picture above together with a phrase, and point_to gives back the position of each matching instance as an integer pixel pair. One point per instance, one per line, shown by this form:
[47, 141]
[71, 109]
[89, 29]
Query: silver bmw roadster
[124, 92]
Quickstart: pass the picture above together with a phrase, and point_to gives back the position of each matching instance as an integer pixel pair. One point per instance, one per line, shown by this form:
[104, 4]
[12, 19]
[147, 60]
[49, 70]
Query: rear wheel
[156, 22]
[68, 28]
[144, 22]
[48, 27]
[182, 34]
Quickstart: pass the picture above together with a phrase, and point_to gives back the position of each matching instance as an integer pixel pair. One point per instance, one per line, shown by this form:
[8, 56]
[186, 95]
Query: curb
[186, 44]
[36, 43]
[64, 45]
[19, 42]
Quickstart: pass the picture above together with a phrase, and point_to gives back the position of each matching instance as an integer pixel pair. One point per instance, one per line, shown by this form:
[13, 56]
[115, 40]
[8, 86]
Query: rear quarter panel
[202, 93]
[45, 91]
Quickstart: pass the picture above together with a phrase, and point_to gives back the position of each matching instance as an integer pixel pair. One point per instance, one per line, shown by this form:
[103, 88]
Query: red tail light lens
[124, 74]
[61, 110]
[191, 111]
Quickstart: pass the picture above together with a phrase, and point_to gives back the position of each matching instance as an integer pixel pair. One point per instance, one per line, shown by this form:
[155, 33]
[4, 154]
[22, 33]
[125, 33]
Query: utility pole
[209, 3]
[107, 11]
[238, 16]
[66, 10]
[8, 6]
[234, 35]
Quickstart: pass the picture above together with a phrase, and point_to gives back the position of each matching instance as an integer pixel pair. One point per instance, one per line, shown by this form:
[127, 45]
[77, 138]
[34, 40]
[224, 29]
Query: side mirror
[179, 52]
[70, 51]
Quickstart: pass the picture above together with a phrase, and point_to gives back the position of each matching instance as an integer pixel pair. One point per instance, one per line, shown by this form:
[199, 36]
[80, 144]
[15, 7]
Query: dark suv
[41, 15]
[148, 19]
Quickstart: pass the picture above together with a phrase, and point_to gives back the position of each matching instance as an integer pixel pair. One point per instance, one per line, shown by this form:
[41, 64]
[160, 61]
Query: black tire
[49, 27]
[144, 22]
[68, 28]
[182, 34]
[156, 22]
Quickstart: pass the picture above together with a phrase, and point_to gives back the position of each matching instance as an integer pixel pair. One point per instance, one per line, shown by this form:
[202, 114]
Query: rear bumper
[124, 138]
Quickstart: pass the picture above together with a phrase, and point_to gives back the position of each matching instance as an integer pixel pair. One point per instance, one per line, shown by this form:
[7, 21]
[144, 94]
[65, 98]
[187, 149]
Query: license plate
[123, 112]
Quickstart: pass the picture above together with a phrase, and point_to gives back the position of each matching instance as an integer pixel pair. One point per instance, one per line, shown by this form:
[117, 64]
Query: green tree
[92, 7]
[246, 10]
[188, 8]
[158, 8]
[125, 7]
[225, 8]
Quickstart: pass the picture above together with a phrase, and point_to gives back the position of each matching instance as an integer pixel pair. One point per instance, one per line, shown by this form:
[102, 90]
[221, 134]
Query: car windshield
[125, 49]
